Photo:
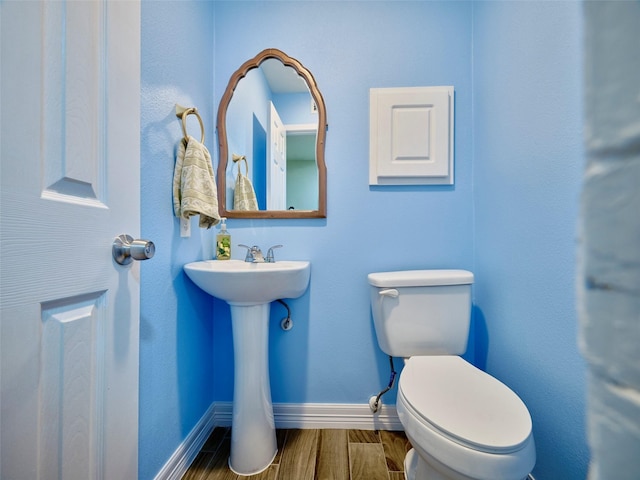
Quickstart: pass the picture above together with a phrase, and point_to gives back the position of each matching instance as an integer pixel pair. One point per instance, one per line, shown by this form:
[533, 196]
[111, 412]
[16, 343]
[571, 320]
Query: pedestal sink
[249, 289]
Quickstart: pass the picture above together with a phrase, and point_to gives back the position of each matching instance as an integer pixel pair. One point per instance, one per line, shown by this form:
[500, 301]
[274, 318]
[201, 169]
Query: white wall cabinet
[411, 136]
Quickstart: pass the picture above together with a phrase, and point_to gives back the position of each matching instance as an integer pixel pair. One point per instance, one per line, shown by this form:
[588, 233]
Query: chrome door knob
[125, 249]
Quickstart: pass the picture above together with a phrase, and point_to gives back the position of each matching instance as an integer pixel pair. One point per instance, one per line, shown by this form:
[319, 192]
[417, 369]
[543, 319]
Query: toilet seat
[465, 404]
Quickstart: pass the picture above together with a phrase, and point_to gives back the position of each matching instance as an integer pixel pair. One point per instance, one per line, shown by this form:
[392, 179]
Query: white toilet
[463, 424]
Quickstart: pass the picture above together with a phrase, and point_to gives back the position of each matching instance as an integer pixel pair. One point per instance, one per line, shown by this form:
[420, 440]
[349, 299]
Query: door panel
[70, 184]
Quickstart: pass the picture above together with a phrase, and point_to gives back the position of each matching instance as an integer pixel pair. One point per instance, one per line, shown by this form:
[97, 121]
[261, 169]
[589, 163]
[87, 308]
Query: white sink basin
[244, 283]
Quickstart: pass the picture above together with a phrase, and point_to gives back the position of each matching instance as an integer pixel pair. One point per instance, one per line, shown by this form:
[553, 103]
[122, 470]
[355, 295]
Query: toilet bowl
[463, 423]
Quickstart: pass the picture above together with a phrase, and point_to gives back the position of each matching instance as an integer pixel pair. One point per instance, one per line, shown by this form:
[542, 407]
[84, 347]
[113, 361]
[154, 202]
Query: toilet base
[410, 462]
[416, 468]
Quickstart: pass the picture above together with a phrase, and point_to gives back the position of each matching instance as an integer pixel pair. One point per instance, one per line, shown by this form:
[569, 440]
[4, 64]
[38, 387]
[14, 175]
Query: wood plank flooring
[312, 455]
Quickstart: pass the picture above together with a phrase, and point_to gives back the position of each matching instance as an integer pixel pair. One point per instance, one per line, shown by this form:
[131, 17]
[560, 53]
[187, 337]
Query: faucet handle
[248, 257]
[270, 258]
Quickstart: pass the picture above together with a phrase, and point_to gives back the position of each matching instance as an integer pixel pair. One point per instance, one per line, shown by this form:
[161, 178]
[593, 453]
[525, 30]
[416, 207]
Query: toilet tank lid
[420, 278]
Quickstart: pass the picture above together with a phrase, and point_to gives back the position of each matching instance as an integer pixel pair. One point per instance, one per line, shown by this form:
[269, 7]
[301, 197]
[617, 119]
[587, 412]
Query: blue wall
[248, 118]
[509, 217]
[528, 163]
[176, 364]
[331, 355]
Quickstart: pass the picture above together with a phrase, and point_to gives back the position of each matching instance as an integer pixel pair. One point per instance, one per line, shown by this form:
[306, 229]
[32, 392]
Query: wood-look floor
[312, 455]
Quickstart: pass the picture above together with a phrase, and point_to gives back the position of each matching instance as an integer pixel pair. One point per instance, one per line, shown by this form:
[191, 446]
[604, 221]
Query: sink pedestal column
[253, 433]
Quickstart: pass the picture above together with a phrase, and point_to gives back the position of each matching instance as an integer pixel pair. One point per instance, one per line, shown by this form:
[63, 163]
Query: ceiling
[282, 79]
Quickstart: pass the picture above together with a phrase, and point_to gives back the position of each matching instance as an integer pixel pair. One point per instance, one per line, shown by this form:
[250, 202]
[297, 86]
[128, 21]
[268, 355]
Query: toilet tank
[421, 312]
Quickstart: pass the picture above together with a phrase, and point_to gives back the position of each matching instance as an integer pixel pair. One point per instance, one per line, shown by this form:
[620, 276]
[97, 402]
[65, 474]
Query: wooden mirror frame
[223, 148]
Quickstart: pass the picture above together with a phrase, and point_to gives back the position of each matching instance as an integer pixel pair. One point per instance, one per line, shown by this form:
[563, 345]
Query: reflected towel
[244, 196]
[194, 186]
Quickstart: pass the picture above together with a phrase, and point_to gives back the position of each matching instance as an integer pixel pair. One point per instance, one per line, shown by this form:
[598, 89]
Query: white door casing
[277, 155]
[69, 315]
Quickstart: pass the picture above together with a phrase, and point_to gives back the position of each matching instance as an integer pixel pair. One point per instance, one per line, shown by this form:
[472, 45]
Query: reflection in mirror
[272, 115]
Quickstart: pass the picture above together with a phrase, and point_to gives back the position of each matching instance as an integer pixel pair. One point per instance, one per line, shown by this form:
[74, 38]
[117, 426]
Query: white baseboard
[322, 415]
[186, 452]
[286, 415]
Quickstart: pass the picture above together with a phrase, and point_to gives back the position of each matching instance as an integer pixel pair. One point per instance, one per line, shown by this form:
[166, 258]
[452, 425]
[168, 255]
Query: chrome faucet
[254, 254]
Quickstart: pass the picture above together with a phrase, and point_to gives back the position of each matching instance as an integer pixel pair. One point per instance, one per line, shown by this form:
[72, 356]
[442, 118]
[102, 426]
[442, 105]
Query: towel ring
[236, 158]
[182, 113]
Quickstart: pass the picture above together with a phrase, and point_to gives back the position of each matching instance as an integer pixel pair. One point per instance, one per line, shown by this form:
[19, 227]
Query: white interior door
[277, 154]
[70, 86]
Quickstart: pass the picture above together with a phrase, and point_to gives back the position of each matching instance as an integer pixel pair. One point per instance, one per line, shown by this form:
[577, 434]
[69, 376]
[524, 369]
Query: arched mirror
[272, 127]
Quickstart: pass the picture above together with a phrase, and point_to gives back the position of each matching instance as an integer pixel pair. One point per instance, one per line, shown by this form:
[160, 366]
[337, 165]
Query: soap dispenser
[223, 241]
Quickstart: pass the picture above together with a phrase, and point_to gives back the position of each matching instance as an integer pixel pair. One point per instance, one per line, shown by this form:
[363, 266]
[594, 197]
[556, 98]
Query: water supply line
[286, 323]
[374, 402]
